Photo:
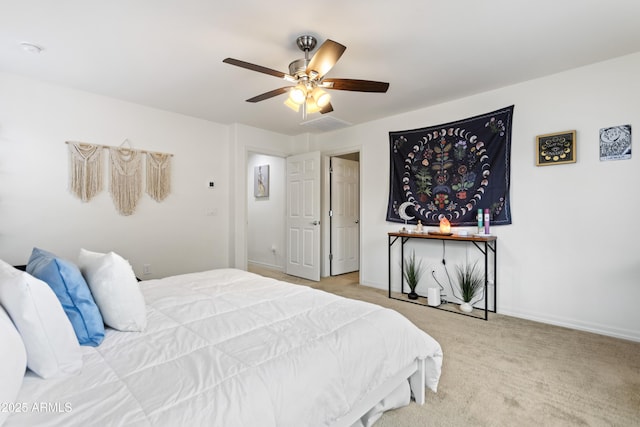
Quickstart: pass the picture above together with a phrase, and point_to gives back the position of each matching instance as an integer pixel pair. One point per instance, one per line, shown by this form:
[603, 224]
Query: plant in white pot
[412, 273]
[470, 284]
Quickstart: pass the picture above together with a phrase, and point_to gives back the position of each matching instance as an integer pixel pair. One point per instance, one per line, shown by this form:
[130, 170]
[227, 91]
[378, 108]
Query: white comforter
[230, 348]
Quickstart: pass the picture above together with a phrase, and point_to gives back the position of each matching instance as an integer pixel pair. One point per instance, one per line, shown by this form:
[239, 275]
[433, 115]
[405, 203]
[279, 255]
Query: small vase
[412, 295]
[466, 307]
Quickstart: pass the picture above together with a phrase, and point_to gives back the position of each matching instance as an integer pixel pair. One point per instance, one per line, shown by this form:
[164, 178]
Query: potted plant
[470, 284]
[412, 272]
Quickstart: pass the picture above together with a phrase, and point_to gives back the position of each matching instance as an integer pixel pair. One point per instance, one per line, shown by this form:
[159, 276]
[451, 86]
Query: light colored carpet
[509, 371]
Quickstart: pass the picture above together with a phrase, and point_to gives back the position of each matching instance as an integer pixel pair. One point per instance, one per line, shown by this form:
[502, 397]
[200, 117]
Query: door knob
[357, 221]
[315, 223]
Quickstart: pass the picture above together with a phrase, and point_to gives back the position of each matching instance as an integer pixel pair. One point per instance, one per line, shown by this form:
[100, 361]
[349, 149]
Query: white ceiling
[168, 54]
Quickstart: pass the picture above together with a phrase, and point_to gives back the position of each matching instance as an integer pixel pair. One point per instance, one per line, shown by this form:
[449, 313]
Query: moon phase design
[431, 212]
[402, 211]
[450, 170]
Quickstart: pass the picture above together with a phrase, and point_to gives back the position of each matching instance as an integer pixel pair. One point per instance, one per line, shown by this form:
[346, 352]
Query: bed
[230, 348]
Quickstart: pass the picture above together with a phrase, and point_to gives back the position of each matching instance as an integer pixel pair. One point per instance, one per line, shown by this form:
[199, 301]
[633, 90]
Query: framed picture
[615, 143]
[556, 148]
[261, 181]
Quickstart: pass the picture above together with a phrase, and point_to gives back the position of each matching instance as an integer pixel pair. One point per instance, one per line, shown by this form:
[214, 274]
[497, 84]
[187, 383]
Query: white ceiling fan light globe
[312, 106]
[298, 94]
[321, 97]
[289, 103]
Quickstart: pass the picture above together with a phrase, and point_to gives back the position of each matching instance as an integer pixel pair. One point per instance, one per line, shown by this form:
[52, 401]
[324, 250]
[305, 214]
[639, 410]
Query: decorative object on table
[470, 284]
[85, 170]
[126, 178]
[450, 169]
[480, 223]
[487, 218]
[402, 212]
[556, 148]
[158, 175]
[615, 143]
[412, 273]
[444, 228]
[261, 181]
[419, 227]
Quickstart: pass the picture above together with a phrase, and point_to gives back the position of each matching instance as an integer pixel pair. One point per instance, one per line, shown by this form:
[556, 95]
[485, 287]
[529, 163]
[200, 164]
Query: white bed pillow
[115, 290]
[49, 339]
[13, 362]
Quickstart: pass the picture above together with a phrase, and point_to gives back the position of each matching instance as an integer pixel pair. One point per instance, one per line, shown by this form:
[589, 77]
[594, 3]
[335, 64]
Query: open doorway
[266, 194]
[344, 213]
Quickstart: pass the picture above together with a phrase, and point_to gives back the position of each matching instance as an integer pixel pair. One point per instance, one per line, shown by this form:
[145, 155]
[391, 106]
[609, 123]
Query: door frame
[238, 245]
[238, 253]
[281, 244]
[325, 189]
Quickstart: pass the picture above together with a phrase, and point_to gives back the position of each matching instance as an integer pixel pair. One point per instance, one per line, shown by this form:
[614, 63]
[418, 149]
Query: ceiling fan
[308, 78]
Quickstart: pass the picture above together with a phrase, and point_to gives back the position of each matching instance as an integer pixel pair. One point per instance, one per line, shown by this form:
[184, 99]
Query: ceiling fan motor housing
[306, 43]
[298, 67]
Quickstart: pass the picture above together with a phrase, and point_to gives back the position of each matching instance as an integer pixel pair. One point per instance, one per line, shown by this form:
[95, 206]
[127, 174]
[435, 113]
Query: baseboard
[266, 265]
[626, 334]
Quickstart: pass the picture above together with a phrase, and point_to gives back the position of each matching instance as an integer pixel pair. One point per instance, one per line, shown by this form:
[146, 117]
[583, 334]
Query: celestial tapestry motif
[451, 171]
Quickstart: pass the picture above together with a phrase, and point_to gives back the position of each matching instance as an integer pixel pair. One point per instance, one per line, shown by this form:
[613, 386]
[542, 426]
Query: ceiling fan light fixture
[321, 97]
[289, 103]
[308, 78]
[312, 106]
[298, 94]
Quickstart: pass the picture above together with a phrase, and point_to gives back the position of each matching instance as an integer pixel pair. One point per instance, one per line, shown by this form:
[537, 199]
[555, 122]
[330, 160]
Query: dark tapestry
[452, 170]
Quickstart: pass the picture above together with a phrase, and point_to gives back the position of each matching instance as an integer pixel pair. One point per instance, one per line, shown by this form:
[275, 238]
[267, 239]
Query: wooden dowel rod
[110, 146]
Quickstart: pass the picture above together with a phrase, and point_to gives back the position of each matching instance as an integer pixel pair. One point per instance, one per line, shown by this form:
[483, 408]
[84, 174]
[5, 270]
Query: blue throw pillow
[66, 280]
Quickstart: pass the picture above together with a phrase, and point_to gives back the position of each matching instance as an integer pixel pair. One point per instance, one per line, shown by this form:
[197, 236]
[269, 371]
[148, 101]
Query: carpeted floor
[509, 371]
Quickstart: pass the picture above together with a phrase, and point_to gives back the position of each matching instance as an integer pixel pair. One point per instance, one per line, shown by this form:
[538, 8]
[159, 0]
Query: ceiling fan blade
[269, 94]
[254, 67]
[355, 85]
[326, 109]
[325, 58]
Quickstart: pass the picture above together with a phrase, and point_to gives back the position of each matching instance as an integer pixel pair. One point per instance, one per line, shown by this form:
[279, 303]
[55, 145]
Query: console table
[485, 244]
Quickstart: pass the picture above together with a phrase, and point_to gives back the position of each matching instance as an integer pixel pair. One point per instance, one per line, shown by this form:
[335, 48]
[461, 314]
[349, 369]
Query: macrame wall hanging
[125, 174]
[158, 175]
[85, 170]
[125, 185]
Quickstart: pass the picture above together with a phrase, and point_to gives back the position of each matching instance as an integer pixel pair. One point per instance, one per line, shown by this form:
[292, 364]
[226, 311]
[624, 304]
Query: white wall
[36, 208]
[265, 231]
[558, 261]
[570, 257]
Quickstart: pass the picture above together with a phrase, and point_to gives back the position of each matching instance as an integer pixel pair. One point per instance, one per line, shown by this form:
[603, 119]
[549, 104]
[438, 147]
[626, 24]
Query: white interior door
[345, 216]
[303, 216]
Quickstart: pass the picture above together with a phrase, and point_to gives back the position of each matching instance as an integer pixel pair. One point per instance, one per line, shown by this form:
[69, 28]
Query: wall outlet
[146, 269]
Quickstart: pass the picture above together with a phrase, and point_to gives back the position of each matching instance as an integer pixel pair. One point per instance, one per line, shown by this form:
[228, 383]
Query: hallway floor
[343, 279]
